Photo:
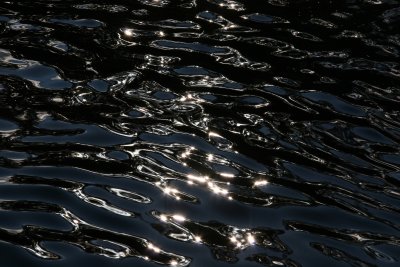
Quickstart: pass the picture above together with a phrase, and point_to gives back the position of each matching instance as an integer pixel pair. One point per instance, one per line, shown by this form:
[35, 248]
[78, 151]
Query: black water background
[201, 133]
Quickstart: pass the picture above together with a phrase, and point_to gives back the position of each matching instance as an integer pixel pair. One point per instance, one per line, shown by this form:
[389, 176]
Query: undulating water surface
[200, 133]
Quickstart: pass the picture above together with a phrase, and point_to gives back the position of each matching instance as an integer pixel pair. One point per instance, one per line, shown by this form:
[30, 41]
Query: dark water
[200, 133]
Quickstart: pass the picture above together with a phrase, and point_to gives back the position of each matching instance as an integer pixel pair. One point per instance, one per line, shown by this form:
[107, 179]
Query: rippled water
[200, 133]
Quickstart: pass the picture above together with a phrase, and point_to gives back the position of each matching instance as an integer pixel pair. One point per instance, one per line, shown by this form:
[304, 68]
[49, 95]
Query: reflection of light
[201, 179]
[210, 157]
[227, 175]
[179, 218]
[213, 134]
[79, 155]
[197, 239]
[260, 183]
[230, 27]
[161, 33]
[171, 191]
[154, 248]
[128, 32]
[173, 263]
[250, 239]
[163, 218]
[168, 190]
[57, 99]
[216, 189]
[358, 237]
[135, 153]
[235, 241]
[187, 97]
[185, 154]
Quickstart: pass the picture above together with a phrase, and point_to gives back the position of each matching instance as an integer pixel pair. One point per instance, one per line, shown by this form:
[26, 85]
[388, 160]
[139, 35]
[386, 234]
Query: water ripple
[195, 133]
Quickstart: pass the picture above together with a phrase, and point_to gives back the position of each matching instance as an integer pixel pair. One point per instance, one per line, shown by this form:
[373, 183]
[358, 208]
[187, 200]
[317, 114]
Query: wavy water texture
[200, 133]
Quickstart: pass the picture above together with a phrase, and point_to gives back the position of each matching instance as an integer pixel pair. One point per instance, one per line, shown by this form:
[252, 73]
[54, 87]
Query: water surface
[200, 133]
